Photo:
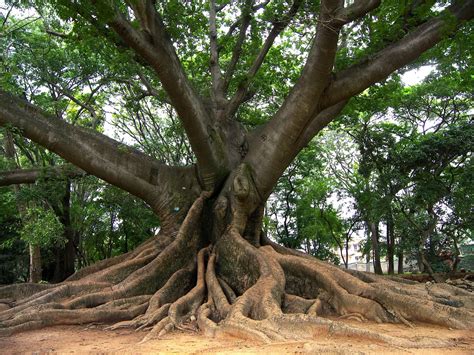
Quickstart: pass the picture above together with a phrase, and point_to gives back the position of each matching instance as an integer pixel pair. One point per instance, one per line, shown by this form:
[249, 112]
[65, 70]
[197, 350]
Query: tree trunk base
[234, 288]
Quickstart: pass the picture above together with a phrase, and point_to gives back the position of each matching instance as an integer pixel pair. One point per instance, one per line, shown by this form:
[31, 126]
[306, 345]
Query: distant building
[356, 261]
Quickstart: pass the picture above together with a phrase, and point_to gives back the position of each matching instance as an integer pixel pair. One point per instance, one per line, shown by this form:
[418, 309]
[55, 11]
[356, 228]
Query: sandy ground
[96, 340]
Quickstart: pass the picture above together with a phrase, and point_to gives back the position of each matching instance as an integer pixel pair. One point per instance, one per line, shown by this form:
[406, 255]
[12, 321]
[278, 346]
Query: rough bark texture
[374, 237]
[233, 283]
[210, 267]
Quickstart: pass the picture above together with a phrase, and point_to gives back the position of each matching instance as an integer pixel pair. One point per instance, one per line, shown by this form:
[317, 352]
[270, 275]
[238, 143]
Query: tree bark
[65, 256]
[375, 247]
[390, 244]
[400, 262]
[30, 176]
[35, 263]
[164, 188]
[425, 235]
[35, 270]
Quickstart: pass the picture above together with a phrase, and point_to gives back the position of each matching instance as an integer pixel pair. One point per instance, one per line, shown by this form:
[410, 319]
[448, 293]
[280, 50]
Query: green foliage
[301, 215]
[109, 220]
[41, 227]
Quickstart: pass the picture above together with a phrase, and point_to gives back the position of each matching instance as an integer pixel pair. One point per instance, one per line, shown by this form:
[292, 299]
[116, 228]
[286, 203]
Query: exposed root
[133, 282]
[35, 320]
[234, 287]
[107, 263]
[215, 292]
[184, 308]
[19, 291]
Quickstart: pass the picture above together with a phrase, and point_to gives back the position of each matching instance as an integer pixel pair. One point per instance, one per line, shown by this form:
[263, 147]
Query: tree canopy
[215, 105]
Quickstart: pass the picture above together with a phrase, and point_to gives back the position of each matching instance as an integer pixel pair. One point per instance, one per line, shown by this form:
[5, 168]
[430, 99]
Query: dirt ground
[96, 340]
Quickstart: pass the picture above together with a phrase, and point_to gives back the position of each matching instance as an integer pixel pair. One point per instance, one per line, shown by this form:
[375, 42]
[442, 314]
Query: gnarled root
[291, 292]
[117, 290]
[234, 288]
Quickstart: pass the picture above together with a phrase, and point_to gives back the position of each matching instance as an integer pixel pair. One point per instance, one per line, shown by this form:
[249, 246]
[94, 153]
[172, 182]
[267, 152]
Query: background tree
[300, 210]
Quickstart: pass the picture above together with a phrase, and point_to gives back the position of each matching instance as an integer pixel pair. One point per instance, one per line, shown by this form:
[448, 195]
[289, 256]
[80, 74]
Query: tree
[300, 214]
[210, 262]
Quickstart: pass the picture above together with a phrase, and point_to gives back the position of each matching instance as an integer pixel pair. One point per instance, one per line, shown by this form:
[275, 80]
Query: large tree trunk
[210, 267]
[218, 273]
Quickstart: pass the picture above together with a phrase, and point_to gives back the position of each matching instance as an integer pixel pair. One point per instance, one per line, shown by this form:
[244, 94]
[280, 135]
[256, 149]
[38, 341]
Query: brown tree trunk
[374, 233]
[34, 250]
[65, 256]
[426, 265]
[426, 234]
[400, 262]
[390, 245]
[456, 257]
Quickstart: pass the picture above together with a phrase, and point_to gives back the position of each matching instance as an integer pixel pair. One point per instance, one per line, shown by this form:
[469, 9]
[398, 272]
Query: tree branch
[242, 92]
[320, 121]
[56, 34]
[281, 138]
[217, 95]
[153, 44]
[356, 10]
[237, 51]
[91, 151]
[30, 176]
[357, 78]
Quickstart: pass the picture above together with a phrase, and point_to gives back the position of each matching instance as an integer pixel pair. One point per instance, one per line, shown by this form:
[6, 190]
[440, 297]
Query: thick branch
[277, 143]
[217, 93]
[242, 92]
[321, 120]
[356, 10]
[153, 44]
[359, 77]
[30, 176]
[281, 139]
[91, 151]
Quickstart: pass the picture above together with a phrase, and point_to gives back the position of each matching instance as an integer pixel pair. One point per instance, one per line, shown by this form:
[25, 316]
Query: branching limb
[242, 92]
[217, 95]
[356, 10]
[95, 153]
[357, 78]
[319, 122]
[30, 176]
[237, 50]
[277, 142]
[154, 45]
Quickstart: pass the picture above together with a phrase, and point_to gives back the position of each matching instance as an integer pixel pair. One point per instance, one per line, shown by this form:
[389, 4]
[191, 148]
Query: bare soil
[96, 340]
